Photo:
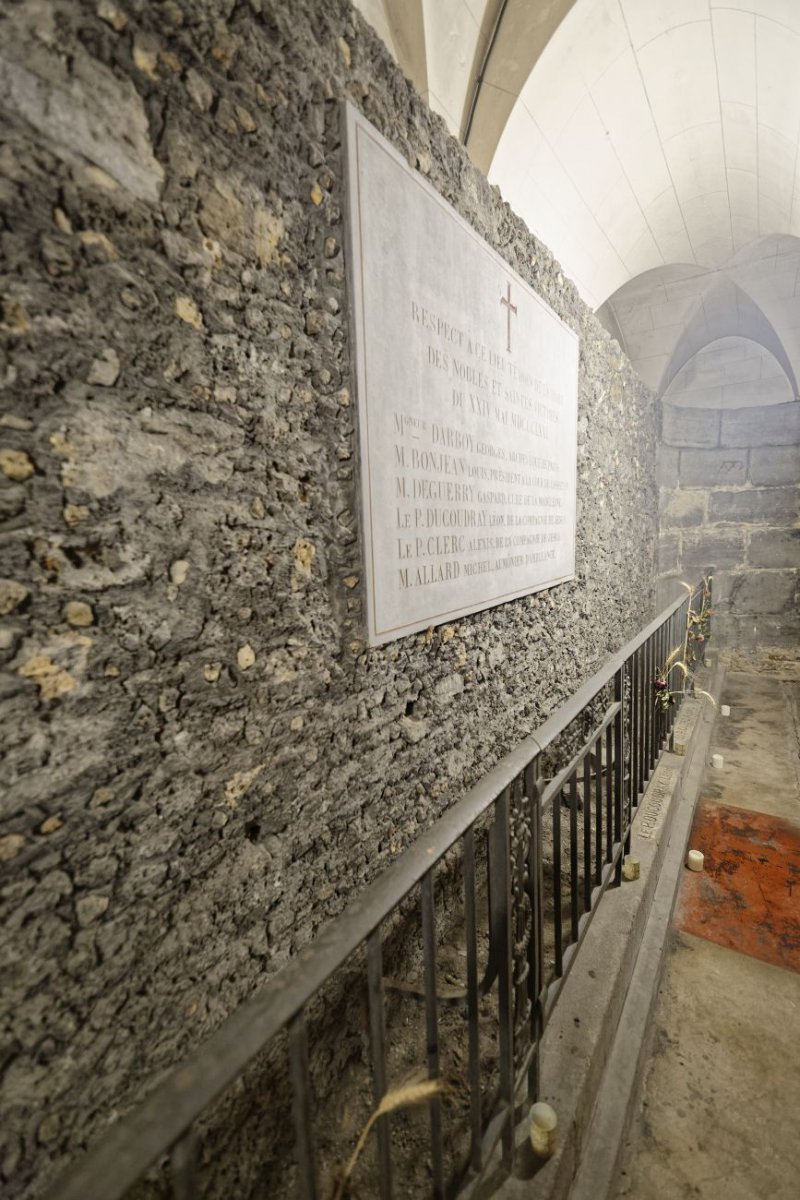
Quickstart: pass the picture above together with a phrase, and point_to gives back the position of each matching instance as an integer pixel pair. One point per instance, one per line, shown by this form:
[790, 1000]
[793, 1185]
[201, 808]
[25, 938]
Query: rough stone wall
[202, 761]
[730, 487]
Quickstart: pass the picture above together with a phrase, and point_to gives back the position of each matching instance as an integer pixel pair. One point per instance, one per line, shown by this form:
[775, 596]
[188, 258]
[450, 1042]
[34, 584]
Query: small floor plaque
[684, 725]
[655, 803]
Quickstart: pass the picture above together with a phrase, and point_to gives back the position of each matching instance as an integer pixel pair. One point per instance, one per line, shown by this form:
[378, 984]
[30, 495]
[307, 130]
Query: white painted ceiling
[657, 131]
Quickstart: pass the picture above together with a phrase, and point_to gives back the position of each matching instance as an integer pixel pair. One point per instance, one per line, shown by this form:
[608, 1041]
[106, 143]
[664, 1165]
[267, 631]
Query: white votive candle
[717, 761]
[694, 860]
[543, 1129]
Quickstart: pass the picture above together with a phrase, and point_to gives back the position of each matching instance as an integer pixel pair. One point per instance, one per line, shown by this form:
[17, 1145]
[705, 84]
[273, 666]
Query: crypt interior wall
[203, 762]
[728, 469]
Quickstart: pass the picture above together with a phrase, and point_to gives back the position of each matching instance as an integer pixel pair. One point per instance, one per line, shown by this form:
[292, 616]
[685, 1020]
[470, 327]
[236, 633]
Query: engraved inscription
[651, 814]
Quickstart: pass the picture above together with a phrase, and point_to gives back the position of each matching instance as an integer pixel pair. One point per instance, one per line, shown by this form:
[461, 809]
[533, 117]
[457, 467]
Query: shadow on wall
[728, 472]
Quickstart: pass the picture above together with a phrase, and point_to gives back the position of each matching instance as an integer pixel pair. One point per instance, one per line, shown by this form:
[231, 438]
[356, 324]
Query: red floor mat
[748, 895]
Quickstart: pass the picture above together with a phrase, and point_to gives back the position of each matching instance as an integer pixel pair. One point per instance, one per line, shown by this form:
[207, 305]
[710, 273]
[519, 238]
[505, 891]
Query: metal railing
[532, 848]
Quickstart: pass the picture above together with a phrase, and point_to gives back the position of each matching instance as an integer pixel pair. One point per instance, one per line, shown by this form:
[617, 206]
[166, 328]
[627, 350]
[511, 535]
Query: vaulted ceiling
[652, 133]
[651, 144]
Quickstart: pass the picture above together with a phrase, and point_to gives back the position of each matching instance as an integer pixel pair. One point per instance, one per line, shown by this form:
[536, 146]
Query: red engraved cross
[512, 308]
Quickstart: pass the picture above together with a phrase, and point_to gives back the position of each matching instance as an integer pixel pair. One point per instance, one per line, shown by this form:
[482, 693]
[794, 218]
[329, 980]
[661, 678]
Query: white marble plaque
[467, 401]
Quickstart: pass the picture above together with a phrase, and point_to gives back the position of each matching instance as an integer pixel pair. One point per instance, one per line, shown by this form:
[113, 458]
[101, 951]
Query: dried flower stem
[402, 1097]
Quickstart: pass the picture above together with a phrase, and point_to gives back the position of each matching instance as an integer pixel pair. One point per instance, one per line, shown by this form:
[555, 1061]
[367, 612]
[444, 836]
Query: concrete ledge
[581, 1035]
[618, 1094]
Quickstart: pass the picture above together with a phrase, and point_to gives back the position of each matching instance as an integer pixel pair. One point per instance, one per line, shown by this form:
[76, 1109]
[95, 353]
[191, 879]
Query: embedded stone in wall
[711, 546]
[771, 425]
[668, 588]
[669, 547]
[708, 468]
[690, 426]
[778, 505]
[667, 459]
[757, 591]
[774, 548]
[86, 113]
[774, 465]
[764, 629]
[683, 508]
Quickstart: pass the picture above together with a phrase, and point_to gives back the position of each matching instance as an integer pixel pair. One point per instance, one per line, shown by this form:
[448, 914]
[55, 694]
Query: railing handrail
[136, 1141]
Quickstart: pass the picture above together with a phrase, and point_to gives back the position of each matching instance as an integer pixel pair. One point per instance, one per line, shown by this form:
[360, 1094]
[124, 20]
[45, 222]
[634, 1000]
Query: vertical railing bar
[680, 619]
[642, 667]
[654, 728]
[648, 691]
[609, 780]
[558, 948]
[598, 826]
[671, 710]
[573, 855]
[662, 728]
[634, 724]
[301, 1108]
[645, 715]
[656, 714]
[473, 1028]
[183, 1167]
[639, 745]
[619, 768]
[653, 710]
[673, 639]
[432, 1028]
[587, 831]
[377, 1034]
[675, 677]
[520, 931]
[501, 903]
[536, 941]
[658, 662]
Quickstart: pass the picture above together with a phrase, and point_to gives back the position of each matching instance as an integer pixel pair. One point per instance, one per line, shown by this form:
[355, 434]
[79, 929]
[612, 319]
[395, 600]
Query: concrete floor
[721, 1098]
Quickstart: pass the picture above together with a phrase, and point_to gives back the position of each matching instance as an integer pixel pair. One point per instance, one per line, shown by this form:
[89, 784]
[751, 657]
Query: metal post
[500, 901]
[432, 1029]
[476, 1157]
[377, 1037]
[301, 1093]
[619, 766]
[536, 943]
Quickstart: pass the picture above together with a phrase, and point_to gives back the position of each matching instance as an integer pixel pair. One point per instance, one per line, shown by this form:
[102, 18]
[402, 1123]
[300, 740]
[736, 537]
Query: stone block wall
[202, 761]
[729, 491]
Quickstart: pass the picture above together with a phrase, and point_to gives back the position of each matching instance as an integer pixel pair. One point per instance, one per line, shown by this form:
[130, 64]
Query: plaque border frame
[354, 123]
